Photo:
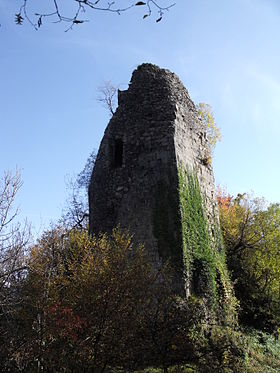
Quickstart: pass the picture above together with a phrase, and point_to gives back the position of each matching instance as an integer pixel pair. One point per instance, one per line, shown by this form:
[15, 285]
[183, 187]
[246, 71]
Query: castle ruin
[154, 136]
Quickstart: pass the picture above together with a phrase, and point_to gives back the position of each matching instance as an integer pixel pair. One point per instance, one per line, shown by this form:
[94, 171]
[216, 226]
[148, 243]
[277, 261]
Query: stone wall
[134, 184]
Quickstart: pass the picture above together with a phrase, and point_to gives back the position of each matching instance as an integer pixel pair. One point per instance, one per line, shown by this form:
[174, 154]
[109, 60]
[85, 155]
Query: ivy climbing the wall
[203, 255]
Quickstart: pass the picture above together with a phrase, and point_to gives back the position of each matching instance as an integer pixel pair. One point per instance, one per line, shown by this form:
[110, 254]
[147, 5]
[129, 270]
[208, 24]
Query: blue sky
[227, 53]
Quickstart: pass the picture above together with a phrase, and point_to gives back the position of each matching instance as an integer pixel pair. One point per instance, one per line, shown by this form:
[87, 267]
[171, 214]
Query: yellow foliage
[213, 132]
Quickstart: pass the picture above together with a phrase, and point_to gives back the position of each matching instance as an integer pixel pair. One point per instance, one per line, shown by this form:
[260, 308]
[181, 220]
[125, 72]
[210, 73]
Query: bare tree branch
[57, 15]
[108, 96]
[13, 239]
[75, 214]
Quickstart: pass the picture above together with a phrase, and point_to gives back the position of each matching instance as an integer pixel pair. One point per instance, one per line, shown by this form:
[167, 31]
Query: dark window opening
[118, 153]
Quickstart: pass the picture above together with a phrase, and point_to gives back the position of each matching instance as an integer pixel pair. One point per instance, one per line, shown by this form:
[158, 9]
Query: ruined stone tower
[154, 137]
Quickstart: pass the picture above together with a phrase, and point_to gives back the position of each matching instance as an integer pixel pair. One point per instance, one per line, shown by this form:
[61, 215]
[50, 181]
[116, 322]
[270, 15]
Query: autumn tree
[213, 132]
[84, 298]
[90, 304]
[251, 232]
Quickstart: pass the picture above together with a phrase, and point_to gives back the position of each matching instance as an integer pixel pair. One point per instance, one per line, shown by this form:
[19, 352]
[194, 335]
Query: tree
[251, 232]
[13, 246]
[213, 132]
[75, 214]
[13, 239]
[84, 299]
[90, 304]
[56, 12]
[108, 96]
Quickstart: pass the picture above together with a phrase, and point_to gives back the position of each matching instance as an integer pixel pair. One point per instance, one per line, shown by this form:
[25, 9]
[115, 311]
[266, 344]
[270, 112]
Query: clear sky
[227, 53]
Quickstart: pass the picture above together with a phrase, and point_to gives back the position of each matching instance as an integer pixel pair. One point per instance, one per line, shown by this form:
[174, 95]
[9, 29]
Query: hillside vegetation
[72, 303]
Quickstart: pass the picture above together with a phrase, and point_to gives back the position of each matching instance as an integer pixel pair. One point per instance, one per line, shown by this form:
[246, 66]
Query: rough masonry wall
[192, 148]
[154, 131]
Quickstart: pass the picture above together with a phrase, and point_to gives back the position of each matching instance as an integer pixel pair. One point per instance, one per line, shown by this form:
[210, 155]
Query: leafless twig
[57, 15]
[107, 96]
[75, 214]
[13, 238]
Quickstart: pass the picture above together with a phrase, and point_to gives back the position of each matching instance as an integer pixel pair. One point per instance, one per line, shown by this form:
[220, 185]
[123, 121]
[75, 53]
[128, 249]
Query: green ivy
[203, 254]
[193, 247]
[197, 252]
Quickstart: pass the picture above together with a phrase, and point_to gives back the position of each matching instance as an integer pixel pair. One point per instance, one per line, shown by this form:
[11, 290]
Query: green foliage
[87, 292]
[225, 351]
[229, 351]
[263, 352]
[93, 303]
[96, 304]
[251, 232]
[204, 257]
[195, 234]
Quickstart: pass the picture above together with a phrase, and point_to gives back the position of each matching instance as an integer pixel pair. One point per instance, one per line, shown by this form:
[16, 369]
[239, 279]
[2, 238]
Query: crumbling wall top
[150, 77]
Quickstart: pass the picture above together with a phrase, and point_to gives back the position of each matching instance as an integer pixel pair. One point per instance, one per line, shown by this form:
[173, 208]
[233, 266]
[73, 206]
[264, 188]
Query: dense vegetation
[71, 303]
[251, 234]
[97, 305]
